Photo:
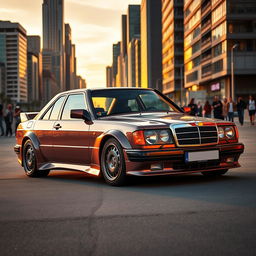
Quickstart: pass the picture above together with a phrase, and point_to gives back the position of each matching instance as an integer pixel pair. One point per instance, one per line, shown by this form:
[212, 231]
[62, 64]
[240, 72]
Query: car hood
[158, 118]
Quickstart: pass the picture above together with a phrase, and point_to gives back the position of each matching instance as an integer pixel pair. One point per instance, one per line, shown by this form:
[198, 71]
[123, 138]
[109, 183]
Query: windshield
[111, 102]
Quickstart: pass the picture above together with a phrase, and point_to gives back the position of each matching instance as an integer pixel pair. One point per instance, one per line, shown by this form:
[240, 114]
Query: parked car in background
[123, 131]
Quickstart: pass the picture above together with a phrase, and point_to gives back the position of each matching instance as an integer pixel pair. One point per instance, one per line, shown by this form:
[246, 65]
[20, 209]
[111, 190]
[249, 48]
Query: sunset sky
[96, 25]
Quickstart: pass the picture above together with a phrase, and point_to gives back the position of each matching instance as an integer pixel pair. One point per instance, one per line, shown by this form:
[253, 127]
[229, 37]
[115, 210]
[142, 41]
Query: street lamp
[232, 71]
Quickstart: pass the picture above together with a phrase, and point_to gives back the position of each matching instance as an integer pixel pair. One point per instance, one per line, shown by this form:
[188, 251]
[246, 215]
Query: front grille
[196, 135]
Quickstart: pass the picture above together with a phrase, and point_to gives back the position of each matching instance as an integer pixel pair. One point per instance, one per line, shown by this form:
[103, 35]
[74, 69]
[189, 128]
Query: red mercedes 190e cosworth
[120, 132]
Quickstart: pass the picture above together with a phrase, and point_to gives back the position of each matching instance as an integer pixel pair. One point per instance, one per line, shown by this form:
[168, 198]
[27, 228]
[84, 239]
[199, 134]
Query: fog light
[230, 160]
[156, 167]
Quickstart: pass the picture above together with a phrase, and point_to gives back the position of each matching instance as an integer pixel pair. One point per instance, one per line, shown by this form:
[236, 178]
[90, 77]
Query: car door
[71, 136]
[44, 129]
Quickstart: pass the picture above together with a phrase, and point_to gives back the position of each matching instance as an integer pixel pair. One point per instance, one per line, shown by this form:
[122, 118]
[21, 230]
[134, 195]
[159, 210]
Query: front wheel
[214, 173]
[29, 161]
[112, 163]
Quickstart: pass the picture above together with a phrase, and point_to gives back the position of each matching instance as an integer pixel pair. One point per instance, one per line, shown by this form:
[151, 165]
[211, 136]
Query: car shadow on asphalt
[136, 182]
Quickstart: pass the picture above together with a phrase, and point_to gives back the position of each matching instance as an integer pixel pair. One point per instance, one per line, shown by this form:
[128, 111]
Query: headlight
[151, 137]
[221, 133]
[164, 136]
[229, 132]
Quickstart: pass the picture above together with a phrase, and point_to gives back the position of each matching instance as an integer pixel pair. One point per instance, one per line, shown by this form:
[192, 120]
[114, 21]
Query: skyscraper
[151, 44]
[133, 22]
[115, 54]
[133, 33]
[53, 39]
[13, 55]
[68, 58]
[34, 58]
[109, 76]
[172, 48]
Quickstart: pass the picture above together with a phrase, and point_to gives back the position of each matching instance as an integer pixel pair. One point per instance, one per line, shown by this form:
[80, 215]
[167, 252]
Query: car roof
[108, 88]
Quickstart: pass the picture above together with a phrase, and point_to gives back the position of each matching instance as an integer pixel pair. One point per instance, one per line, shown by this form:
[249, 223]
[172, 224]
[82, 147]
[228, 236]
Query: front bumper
[172, 161]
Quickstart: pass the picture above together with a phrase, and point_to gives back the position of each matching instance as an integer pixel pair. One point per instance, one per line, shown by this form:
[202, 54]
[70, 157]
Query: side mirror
[187, 109]
[81, 114]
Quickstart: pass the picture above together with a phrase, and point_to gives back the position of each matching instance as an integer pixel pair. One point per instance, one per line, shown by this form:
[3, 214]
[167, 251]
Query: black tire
[215, 173]
[112, 163]
[30, 162]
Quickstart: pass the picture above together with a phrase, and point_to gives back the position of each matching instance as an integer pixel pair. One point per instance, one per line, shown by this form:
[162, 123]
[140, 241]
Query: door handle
[57, 126]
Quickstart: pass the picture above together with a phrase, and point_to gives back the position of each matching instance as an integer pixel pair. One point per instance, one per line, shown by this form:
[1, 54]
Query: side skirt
[71, 167]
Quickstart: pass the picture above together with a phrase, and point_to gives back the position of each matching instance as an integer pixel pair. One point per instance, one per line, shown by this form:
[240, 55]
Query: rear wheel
[214, 173]
[112, 163]
[29, 161]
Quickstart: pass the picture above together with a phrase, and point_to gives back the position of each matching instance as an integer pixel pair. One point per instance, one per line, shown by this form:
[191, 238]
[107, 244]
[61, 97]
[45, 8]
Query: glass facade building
[13, 55]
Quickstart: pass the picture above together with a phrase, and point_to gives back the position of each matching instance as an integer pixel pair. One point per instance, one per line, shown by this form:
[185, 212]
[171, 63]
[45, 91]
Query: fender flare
[34, 140]
[118, 135]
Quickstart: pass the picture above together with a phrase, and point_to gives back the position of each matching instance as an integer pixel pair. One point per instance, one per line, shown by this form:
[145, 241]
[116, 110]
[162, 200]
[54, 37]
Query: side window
[56, 108]
[133, 105]
[47, 114]
[75, 101]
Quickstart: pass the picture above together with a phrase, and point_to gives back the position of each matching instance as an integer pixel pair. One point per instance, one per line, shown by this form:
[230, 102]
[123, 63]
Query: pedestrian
[231, 107]
[207, 109]
[8, 120]
[1, 119]
[241, 106]
[193, 107]
[217, 108]
[252, 109]
[199, 109]
[225, 109]
[17, 112]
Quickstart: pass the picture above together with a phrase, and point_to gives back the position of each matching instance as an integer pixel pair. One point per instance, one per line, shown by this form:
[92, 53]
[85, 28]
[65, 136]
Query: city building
[70, 59]
[50, 84]
[34, 44]
[33, 78]
[81, 83]
[53, 39]
[151, 44]
[133, 33]
[215, 33]
[115, 54]
[35, 72]
[137, 49]
[133, 23]
[73, 62]
[109, 76]
[123, 52]
[2, 78]
[13, 56]
[134, 63]
[172, 48]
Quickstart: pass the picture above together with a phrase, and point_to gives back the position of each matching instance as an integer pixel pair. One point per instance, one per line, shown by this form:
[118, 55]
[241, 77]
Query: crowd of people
[225, 109]
[8, 116]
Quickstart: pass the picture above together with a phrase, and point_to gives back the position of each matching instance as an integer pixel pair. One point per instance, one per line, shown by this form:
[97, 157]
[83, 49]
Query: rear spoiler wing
[25, 116]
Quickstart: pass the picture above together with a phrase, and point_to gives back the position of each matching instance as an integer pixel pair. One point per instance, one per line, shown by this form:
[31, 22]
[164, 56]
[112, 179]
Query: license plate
[201, 156]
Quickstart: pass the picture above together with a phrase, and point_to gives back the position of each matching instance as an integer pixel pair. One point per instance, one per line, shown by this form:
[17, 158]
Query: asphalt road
[70, 213]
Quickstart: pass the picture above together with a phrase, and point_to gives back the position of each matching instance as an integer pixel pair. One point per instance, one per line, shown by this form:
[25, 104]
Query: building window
[219, 31]
[217, 66]
[192, 77]
[196, 47]
[206, 70]
[219, 12]
[219, 49]
[194, 19]
[191, 7]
